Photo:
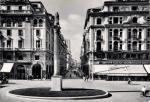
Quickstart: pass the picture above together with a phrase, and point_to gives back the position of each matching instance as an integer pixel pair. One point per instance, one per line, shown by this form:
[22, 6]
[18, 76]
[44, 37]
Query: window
[99, 21]
[35, 23]
[98, 46]
[120, 32]
[8, 43]
[38, 33]
[121, 19]
[110, 33]
[20, 24]
[110, 20]
[20, 57]
[116, 20]
[148, 32]
[98, 35]
[38, 44]
[40, 23]
[120, 46]
[8, 24]
[9, 33]
[134, 20]
[148, 45]
[129, 33]
[148, 19]
[135, 33]
[115, 9]
[129, 47]
[115, 32]
[20, 32]
[140, 33]
[134, 45]
[20, 8]
[9, 57]
[110, 46]
[20, 44]
[115, 46]
[37, 57]
[8, 8]
[139, 46]
[134, 8]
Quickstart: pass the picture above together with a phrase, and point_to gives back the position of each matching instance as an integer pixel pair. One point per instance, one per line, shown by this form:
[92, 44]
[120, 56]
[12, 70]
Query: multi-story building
[27, 38]
[116, 34]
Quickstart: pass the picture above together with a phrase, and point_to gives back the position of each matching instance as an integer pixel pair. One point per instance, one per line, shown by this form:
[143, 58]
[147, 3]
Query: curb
[60, 98]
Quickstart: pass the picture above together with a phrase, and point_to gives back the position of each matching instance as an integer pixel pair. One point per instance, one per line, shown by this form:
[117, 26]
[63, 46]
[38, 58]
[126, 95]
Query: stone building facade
[116, 34]
[27, 39]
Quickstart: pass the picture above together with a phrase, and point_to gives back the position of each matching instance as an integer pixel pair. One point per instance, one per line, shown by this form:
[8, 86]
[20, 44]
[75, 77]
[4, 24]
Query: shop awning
[127, 70]
[147, 67]
[100, 69]
[121, 70]
[7, 67]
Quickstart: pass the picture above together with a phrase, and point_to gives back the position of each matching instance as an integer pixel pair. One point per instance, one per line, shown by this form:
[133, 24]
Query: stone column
[56, 78]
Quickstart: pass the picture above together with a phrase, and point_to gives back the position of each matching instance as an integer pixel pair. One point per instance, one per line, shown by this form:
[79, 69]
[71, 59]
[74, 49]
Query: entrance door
[36, 71]
[20, 72]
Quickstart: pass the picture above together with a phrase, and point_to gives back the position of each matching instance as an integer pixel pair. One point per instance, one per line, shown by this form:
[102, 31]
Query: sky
[72, 18]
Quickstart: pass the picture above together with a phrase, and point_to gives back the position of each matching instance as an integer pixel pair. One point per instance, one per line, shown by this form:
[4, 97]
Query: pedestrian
[129, 81]
[143, 91]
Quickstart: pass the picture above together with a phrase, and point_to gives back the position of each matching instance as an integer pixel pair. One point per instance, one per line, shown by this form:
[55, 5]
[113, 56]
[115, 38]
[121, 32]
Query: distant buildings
[117, 36]
[27, 40]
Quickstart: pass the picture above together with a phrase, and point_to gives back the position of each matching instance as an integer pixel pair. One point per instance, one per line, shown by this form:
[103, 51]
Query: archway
[36, 71]
[20, 72]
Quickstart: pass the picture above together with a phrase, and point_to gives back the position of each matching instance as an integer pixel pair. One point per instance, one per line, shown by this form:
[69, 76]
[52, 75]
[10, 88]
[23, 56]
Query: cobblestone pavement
[120, 90]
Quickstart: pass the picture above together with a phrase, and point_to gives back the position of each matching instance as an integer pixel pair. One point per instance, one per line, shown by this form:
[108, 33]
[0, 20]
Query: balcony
[16, 12]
